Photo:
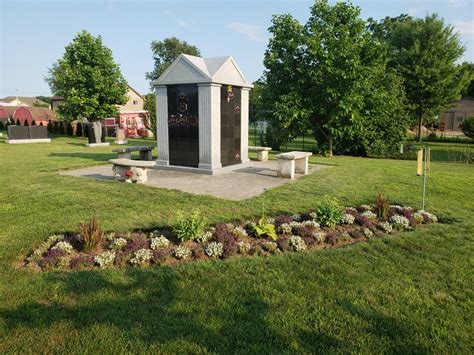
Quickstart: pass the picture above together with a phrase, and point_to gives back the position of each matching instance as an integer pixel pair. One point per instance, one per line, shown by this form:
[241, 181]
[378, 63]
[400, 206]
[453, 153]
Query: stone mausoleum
[202, 115]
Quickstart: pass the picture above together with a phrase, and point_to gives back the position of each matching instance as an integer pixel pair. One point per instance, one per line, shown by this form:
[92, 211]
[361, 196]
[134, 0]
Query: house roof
[27, 100]
[187, 69]
[38, 113]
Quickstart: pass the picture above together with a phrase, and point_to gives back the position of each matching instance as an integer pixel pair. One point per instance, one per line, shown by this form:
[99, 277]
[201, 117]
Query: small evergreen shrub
[189, 227]
[2, 126]
[329, 211]
[33, 123]
[49, 127]
[18, 123]
[467, 127]
[61, 129]
[79, 129]
[25, 123]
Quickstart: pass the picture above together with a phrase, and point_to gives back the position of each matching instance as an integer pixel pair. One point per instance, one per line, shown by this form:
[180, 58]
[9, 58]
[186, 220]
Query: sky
[33, 34]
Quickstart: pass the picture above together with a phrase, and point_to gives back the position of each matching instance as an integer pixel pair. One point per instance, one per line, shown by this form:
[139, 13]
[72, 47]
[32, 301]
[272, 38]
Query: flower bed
[328, 227]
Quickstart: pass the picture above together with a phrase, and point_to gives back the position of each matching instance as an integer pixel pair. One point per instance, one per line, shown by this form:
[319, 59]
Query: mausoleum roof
[188, 69]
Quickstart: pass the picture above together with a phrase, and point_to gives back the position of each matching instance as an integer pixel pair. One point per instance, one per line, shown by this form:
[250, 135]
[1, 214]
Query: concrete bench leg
[119, 172]
[127, 155]
[286, 168]
[301, 166]
[262, 155]
[141, 175]
[146, 155]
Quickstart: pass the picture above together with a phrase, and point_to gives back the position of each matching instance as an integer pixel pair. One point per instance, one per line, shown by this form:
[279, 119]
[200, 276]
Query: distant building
[132, 117]
[23, 101]
[25, 113]
[451, 119]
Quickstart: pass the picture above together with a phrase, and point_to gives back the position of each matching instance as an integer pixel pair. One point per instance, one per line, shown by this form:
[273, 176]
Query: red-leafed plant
[91, 235]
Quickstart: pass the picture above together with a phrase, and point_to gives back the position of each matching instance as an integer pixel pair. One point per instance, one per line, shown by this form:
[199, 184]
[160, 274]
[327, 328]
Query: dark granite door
[230, 125]
[183, 125]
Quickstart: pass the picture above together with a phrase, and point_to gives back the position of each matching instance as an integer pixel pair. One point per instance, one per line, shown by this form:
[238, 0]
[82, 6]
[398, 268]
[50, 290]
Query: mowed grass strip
[406, 293]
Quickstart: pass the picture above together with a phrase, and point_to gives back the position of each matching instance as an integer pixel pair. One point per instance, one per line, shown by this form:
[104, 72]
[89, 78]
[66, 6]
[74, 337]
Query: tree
[150, 106]
[89, 81]
[469, 89]
[424, 53]
[331, 75]
[467, 127]
[166, 51]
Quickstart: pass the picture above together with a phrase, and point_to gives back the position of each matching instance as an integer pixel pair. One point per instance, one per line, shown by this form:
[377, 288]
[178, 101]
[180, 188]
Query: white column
[209, 126]
[162, 125]
[244, 125]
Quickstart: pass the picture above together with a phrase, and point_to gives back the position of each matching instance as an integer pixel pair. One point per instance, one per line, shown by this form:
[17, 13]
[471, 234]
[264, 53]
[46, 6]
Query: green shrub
[189, 227]
[264, 229]
[33, 123]
[329, 211]
[467, 127]
[49, 127]
[2, 126]
[91, 235]
[25, 123]
[18, 123]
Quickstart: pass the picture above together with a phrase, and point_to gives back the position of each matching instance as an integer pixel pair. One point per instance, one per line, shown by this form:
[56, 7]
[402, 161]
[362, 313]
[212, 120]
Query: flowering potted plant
[128, 176]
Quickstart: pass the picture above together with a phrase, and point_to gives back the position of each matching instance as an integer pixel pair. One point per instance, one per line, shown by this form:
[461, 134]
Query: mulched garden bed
[296, 233]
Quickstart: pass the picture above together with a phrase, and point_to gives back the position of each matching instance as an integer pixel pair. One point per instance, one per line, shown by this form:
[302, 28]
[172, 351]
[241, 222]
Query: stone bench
[126, 153]
[291, 162]
[262, 152]
[138, 167]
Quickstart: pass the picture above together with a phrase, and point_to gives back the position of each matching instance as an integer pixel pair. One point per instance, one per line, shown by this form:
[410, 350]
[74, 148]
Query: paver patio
[240, 184]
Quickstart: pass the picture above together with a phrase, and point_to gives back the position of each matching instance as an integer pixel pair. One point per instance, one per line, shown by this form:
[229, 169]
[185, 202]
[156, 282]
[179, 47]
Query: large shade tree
[331, 74]
[424, 52]
[89, 81]
[166, 51]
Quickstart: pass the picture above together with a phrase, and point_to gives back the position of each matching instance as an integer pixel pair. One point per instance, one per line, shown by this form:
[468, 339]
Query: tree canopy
[331, 75]
[166, 51]
[424, 52]
[88, 79]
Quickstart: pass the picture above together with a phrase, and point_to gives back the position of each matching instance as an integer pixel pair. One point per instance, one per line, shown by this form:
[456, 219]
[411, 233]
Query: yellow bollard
[419, 162]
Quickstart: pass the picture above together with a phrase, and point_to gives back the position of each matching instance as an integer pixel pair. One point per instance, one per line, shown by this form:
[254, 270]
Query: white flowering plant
[297, 243]
[105, 259]
[269, 246]
[118, 243]
[214, 249]
[159, 242]
[386, 227]
[182, 252]
[244, 247]
[141, 257]
[65, 246]
[429, 216]
[347, 218]
[369, 214]
[399, 222]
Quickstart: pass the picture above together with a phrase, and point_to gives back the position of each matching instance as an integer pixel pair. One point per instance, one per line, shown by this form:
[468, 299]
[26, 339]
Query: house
[132, 117]
[450, 120]
[40, 115]
[23, 101]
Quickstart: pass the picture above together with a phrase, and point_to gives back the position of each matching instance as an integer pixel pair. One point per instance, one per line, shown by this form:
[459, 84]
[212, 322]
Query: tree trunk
[330, 146]
[97, 127]
[420, 124]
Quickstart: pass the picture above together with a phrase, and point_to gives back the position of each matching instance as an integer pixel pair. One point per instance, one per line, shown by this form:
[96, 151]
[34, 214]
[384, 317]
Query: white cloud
[183, 23]
[457, 2]
[465, 27]
[252, 32]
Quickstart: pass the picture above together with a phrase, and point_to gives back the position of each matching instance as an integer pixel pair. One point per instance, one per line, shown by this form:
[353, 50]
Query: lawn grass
[407, 293]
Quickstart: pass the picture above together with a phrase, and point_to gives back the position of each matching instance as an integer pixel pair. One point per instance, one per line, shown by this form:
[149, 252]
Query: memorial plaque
[38, 132]
[18, 132]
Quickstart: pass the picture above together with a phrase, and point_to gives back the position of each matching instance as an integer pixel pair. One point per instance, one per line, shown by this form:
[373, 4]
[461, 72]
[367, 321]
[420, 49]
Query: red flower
[129, 173]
